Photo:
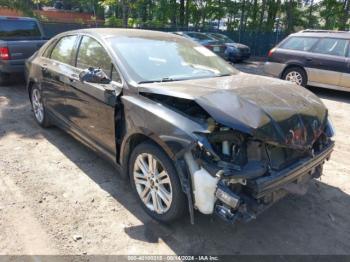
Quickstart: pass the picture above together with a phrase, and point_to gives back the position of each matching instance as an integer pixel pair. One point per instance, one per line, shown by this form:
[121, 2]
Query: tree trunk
[262, 14]
[254, 14]
[345, 16]
[289, 14]
[182, 13]
[125, 13]
[187, 17]
[310, 19]
[173, 14]
[241, 20]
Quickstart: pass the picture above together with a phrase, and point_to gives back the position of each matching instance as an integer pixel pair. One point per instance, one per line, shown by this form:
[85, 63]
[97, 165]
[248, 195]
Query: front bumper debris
[262, 192]
[264, 185]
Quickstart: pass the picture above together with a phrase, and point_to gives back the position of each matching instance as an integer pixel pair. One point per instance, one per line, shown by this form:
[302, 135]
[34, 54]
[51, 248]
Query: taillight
[209, 47]
[4, 53]
[271, 52]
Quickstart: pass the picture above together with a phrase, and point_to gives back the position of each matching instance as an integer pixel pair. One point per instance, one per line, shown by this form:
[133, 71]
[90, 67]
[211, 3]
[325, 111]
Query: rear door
[326, 63]
[56, 69]
[293, 50]
[92, 106]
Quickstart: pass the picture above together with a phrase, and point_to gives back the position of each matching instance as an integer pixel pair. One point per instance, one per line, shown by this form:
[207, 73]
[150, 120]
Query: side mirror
[92, 75]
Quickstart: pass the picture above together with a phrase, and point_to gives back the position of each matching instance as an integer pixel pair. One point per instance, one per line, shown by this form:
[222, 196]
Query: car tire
[295, 75]
[40, 113]
[149, 183]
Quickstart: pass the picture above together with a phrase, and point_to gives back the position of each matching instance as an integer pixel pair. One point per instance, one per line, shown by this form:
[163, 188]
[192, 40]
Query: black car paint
[112, 118]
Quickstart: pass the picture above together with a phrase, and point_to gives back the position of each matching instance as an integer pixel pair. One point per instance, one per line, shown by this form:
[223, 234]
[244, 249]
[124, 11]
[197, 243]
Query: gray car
[313, 57]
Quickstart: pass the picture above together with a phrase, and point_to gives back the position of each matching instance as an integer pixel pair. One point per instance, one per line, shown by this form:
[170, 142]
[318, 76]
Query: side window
[92, 54]
[63, 51]
[300, 43]
[331, 46]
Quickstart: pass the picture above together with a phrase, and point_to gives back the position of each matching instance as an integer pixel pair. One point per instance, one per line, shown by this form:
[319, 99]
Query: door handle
[309, 59]
[44, 67]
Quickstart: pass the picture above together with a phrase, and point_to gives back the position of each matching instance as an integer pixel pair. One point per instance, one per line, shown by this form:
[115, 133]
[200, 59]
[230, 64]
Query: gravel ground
[58, 197]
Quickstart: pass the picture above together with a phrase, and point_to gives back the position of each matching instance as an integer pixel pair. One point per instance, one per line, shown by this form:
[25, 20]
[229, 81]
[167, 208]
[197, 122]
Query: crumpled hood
[269, 109]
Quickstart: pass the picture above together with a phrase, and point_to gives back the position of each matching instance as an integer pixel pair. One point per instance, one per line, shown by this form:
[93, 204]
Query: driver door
[90, 106]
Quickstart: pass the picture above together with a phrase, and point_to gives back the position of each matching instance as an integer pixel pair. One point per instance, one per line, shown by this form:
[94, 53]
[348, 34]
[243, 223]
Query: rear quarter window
[332, 46]
[13, 28]
[300, 43]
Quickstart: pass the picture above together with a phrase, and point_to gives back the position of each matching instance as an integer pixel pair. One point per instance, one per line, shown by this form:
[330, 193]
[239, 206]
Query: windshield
[19, 29]
[167, 59]
[222, 38]
[200, 37]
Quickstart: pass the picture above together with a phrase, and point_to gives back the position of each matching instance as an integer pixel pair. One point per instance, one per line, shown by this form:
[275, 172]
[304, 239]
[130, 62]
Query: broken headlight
[230, 145]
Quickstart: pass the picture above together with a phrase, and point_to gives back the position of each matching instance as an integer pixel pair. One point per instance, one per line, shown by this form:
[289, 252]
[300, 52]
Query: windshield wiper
[165, 79]
[222, 75]
[148, 82]
[169, 79]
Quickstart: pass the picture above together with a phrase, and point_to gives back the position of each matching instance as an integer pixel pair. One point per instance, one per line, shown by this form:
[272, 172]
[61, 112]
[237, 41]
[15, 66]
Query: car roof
[323, 33]
[111, 32]
[17, 18]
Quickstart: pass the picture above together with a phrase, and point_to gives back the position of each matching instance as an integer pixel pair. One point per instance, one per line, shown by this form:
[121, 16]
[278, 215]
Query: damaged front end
[257, 142]
[237, 176]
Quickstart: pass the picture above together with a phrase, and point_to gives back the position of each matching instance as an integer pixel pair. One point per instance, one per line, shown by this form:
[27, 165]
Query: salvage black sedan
[190, 131]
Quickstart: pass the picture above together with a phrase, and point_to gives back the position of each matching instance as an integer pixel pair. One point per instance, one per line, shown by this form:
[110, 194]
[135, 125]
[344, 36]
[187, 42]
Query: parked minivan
[312, 57]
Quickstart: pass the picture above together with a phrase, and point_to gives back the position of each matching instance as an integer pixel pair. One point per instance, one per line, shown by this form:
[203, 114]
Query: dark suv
[312, 57]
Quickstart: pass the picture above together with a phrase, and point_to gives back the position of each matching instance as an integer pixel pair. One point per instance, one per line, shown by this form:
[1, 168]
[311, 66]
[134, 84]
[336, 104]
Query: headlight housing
[330, 130]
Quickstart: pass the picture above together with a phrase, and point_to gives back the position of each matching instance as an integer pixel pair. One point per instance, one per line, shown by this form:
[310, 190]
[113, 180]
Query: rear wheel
[295, 75]
[156, 183]
[38, 107]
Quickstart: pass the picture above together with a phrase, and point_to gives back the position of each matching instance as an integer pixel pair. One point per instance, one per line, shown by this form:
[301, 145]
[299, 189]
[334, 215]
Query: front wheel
[38, 107]
[156, 183]
[295, 75]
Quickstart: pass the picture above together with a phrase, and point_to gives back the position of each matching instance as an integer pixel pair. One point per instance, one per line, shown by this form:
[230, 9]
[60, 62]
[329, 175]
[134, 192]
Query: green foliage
[239, 15]
[112, 21]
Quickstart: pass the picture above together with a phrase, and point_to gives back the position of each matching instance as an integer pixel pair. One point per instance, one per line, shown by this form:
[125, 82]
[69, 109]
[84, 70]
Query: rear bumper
[238, 56]
[12, 66]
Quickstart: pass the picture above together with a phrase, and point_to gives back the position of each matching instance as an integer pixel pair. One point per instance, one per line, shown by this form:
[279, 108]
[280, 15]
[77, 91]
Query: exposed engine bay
[236, 175]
